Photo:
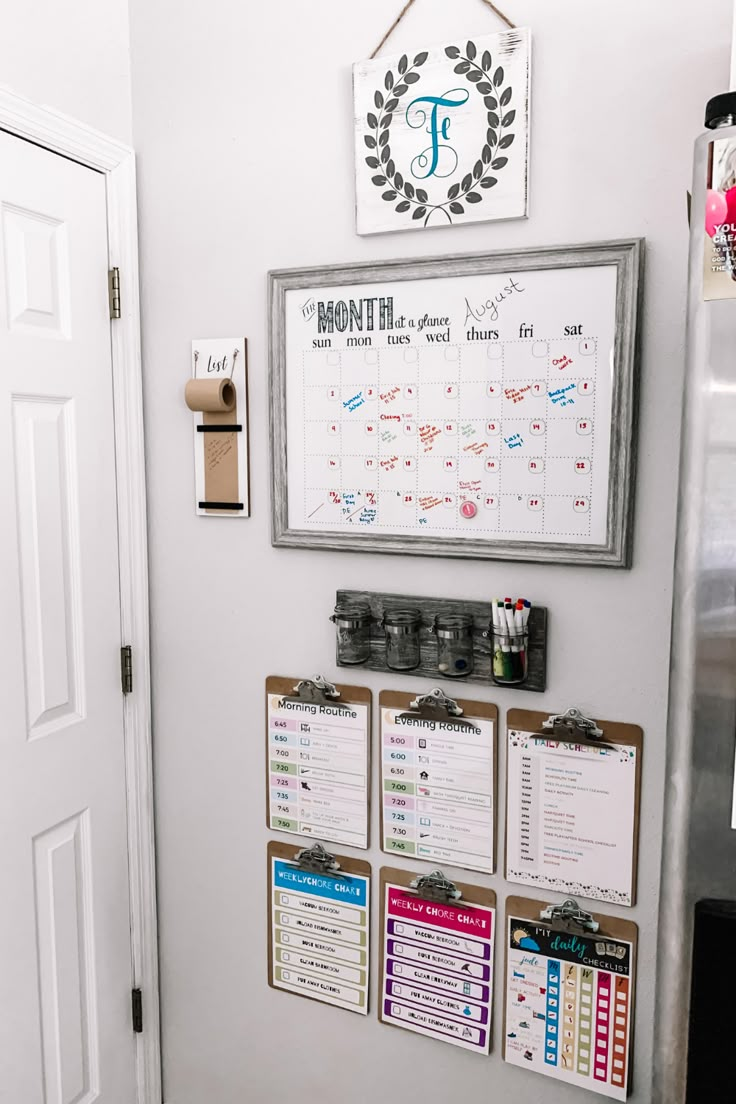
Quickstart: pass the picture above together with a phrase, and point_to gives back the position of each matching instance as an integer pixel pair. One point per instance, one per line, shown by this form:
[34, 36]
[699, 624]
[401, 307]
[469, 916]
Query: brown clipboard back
[614, 732]
[471, 895]
[397, 699]
[528, 908]
[357, 695]
[288, 851]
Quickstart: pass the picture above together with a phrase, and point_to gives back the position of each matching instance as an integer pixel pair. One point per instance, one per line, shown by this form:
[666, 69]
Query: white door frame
[60, 134]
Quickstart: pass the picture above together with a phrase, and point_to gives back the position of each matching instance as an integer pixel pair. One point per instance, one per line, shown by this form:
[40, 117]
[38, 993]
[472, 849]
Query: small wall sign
[442, 136]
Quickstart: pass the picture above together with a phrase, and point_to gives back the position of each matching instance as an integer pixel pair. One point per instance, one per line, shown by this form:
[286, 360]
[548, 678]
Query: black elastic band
[219, 429]
[221, 506]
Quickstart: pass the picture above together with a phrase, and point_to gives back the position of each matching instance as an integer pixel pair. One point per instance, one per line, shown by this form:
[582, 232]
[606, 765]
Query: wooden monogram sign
[442, 136]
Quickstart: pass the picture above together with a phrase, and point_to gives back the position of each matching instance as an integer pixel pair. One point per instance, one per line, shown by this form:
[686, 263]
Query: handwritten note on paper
[570, 817]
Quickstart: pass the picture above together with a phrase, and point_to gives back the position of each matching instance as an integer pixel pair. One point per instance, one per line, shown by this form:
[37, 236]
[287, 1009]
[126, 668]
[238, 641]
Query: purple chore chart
[437, 961]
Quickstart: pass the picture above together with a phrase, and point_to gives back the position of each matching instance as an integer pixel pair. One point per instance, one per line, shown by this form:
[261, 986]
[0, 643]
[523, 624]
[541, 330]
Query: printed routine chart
[438, 968]
[318, 769]
[571, 814]
[438, 789]
[481, 409]
[320, 935]
[569, 1005]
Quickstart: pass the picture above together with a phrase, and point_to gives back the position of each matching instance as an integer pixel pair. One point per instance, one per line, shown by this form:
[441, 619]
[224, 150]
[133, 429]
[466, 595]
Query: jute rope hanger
[408, 4]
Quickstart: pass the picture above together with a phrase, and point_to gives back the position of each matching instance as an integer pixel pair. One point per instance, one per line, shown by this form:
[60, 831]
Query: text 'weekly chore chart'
[318, 762]
[438, 968]
[569, 1005]
[320, 933]
[438, 784]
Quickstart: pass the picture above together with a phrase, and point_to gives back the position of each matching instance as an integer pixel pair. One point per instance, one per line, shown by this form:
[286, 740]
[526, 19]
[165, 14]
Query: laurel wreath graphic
[496, 99]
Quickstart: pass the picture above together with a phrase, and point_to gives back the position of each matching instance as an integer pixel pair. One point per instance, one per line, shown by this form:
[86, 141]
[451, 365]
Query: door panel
[65, 1025]
[46, 497]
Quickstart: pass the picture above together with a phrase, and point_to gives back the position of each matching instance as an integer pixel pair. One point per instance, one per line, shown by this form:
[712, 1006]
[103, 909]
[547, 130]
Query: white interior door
[65, 952]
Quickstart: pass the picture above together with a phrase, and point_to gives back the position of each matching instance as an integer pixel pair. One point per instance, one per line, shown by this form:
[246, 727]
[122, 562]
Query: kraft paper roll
[210, 396]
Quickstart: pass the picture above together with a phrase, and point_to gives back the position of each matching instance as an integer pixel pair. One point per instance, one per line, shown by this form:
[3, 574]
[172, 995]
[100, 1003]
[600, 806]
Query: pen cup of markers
[510, 650]
[454, 633]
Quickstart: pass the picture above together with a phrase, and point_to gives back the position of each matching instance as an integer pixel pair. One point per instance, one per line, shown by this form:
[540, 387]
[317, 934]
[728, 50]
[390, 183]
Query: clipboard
[326, 786]
[314, 970]
[456, 712]
[574, 727]
[475, 991]
[599, 930]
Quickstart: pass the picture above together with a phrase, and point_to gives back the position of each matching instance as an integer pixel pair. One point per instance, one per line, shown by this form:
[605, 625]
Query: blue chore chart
[319, 945]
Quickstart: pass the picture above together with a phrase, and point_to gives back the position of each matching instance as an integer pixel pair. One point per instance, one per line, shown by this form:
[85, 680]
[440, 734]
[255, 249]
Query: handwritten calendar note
[570, 816]
[473, 407]
[569, 1006]
[318, 769]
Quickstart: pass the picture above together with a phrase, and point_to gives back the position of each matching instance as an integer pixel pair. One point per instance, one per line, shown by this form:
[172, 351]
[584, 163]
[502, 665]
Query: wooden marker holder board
[471, 895]
[610, 927]
[348, 866]
[349, 695]
[614, 732]
[472, 710]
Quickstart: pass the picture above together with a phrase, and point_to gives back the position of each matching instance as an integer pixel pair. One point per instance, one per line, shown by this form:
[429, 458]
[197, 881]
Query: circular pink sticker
[468, 509]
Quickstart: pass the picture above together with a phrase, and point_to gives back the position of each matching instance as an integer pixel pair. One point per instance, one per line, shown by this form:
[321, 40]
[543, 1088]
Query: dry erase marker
[497, 649]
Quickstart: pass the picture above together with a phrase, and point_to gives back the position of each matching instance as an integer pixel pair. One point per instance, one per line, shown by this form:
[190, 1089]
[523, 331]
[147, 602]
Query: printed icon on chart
[467, 1033]
[467, 988]
[467, 1011]
[424, 791]
[422, 743]
[424, 835]
[423, 758]
[528, 1055]
[423, 775]
[511, 1035]
[425, 821]
[306, 786]
[518, 975]
[522, 939]
[520, 998]
[538, 1016]
[524, 1024]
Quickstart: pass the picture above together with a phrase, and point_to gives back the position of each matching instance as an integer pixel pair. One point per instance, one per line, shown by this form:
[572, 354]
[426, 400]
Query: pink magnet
[468, 509]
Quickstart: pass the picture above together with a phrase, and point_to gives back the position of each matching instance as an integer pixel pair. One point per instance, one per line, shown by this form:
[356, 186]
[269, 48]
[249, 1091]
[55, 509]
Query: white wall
[72, 55]
[242, 119]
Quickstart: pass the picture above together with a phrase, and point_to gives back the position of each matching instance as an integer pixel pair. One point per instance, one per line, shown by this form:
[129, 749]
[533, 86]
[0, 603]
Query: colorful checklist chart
[318, 764]
[438, 781]
[320, 930]
[572, 810]
[438, 964]
[569, 1000]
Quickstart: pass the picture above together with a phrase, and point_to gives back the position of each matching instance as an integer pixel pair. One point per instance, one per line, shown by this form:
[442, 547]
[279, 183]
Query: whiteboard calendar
[478, 406]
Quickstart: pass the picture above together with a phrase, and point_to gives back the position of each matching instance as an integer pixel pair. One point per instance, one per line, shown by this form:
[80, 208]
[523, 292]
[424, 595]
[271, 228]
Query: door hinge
[136, 1007]
[126, 668]
[113, 284]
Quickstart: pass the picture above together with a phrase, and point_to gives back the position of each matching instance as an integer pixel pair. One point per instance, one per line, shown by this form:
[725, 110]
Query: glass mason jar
[454, 632]
[402, 638]
[352, 622]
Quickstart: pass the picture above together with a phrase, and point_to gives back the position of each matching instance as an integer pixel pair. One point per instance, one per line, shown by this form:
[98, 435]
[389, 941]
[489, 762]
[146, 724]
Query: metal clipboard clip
[437, 706]
[317, 691]
[436, 887]
[569, 917]
[317, 860]
[575, 728]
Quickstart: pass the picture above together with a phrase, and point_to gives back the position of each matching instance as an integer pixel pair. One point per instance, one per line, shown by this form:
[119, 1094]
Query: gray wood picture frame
[628, 258]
